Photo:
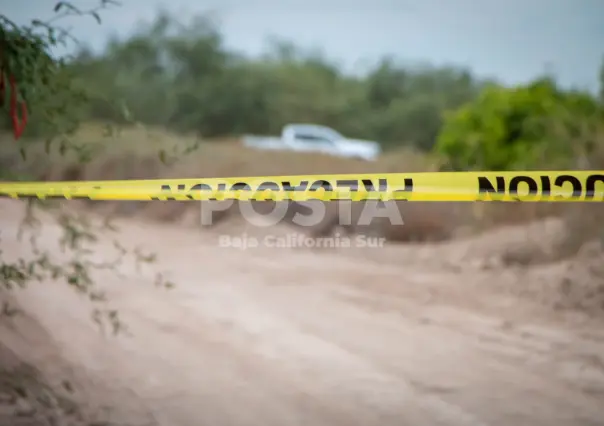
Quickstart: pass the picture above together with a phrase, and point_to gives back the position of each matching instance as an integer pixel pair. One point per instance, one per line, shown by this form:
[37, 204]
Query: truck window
[314, 139]
[331, 134]
[311, 133]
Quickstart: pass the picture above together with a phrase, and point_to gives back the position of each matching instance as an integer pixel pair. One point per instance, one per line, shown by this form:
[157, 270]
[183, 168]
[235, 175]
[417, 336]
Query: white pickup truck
[314, 138]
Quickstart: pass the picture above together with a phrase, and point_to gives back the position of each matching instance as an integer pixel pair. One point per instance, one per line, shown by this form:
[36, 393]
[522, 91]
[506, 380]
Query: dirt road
[289, 337]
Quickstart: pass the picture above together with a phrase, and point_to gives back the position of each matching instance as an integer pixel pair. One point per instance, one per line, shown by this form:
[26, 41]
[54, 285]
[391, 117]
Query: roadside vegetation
[171, 100]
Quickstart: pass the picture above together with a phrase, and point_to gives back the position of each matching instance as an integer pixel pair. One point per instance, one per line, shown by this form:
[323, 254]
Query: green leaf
[58, 6]
[162, 156]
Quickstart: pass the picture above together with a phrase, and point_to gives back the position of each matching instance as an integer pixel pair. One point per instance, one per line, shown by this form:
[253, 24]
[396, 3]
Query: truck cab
[316, 138]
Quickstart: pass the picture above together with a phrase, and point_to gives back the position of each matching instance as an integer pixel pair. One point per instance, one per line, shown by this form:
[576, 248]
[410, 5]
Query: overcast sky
[513, 40]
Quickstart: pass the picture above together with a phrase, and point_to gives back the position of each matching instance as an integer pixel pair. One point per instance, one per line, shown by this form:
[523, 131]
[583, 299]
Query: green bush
[519, 128]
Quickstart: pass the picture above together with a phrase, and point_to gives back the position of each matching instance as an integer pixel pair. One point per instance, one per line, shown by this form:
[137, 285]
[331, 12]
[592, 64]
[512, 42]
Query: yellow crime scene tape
[441, 186]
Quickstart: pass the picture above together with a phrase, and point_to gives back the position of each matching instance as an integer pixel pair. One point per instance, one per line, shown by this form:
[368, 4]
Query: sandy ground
[266, 336]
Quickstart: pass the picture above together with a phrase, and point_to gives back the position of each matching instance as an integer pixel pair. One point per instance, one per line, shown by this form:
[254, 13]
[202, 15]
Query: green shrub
[519, 128]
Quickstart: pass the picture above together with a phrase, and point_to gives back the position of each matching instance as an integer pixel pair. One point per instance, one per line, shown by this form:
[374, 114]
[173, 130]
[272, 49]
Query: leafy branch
[47, 89]
[42, 83]
[78, 234]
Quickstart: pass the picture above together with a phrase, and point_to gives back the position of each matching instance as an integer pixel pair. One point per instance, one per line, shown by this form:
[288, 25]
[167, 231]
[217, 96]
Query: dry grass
[132, 153]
